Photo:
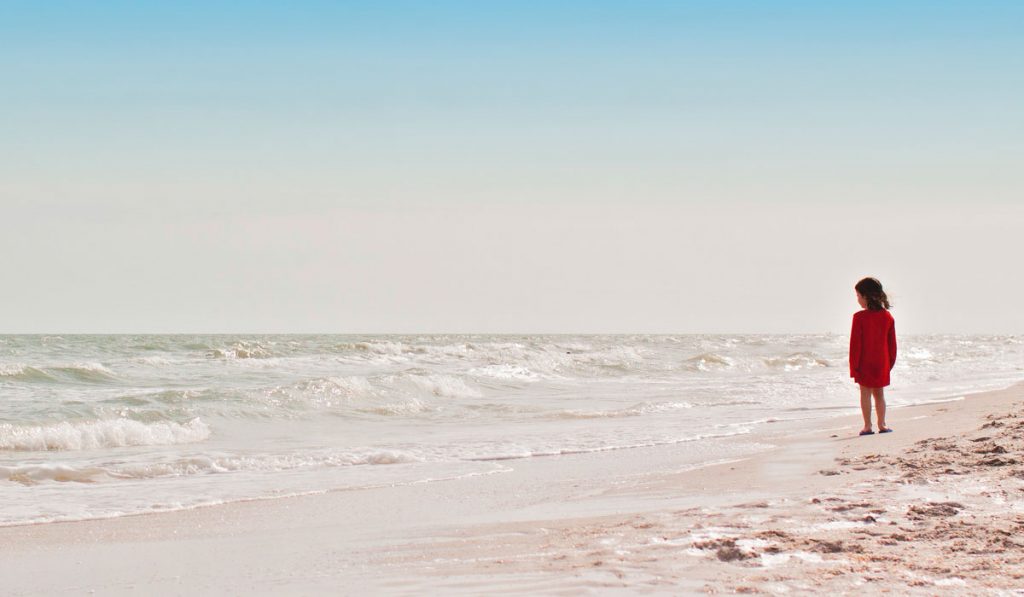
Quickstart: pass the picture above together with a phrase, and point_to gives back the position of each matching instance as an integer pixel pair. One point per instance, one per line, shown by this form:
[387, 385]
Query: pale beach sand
[937, 506]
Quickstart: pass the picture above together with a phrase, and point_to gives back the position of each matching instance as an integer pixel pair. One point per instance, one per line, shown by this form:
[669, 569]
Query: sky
[509, 167]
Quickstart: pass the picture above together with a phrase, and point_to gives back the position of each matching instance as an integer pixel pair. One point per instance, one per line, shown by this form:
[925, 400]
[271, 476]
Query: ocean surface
[102, 426]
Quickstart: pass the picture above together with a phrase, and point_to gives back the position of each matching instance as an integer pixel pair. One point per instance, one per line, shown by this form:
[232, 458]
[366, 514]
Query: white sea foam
[348, 387]
[95, 434]
[291, 411]
[444, 385]
[11, 369]
[505, 371]
[92, 367]
[917, 353]
[637, 410]
[385, 394]
[23, 372]
[200, 464]
[618, 357]
[241, 350]
[321, 393]
[32, 474]
[515, 452]
[797, 361]
[389, 348]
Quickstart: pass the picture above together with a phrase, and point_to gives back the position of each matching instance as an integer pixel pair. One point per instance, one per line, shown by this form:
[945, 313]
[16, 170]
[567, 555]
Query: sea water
[102, 426]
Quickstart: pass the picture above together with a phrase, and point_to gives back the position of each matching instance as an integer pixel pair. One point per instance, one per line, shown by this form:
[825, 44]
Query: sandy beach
[517, 298]
[938, 505]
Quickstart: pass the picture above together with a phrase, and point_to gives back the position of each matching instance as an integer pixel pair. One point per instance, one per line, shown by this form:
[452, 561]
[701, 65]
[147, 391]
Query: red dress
[872, 347]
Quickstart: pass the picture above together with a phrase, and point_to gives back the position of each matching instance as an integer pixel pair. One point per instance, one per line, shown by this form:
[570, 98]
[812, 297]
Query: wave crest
[505, 372]
[85, 372]
[22, 372]
[103, 433]
[89, 372]
[241, 350]
[446, 386]
[797, 361]
[708, 361]
[402, 393]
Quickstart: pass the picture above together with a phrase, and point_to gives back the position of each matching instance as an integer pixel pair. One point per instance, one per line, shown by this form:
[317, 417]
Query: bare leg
[865, 407]
[879, 394]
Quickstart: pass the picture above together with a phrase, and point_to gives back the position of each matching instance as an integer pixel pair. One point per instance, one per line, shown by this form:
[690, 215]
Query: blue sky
[134, 132]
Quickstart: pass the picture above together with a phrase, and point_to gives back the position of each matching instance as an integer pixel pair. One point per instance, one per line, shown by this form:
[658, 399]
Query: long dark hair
[871, 289]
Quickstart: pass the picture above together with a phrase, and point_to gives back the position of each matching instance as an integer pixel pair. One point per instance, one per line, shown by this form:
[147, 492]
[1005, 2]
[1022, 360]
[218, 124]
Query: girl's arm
[891, 340]
[855, 347]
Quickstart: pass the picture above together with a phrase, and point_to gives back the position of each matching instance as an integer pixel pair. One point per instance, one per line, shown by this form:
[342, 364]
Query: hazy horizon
[509, 168]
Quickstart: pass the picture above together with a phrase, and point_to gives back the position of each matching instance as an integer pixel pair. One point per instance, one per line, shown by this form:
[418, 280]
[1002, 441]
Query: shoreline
[641, 520]
[727, 437]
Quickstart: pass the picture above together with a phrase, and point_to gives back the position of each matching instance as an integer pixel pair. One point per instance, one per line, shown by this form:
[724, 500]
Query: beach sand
[936, 506]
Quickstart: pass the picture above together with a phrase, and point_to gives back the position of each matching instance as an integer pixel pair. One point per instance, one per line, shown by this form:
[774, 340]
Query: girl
[872, 350]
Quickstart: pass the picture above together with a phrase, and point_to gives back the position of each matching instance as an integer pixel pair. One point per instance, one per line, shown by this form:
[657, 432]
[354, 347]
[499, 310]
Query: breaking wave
[91, 435]
[89, 372]
[80, 372]
[797, 361]
[708, 361]
[505, 372]
[241, 350]
[22, 372]
[512, 360]
[373, 393]
[445, 386]
[31, 474]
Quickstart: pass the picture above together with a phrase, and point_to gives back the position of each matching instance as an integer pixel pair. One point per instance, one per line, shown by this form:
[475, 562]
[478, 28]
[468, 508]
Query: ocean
[105, 426]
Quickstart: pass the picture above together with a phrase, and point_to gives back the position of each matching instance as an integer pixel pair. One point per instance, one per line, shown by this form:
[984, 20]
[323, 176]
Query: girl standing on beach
[872, 350]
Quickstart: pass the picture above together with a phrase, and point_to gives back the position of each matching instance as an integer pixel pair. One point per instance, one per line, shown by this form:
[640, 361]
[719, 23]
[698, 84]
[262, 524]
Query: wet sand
[937, 505]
